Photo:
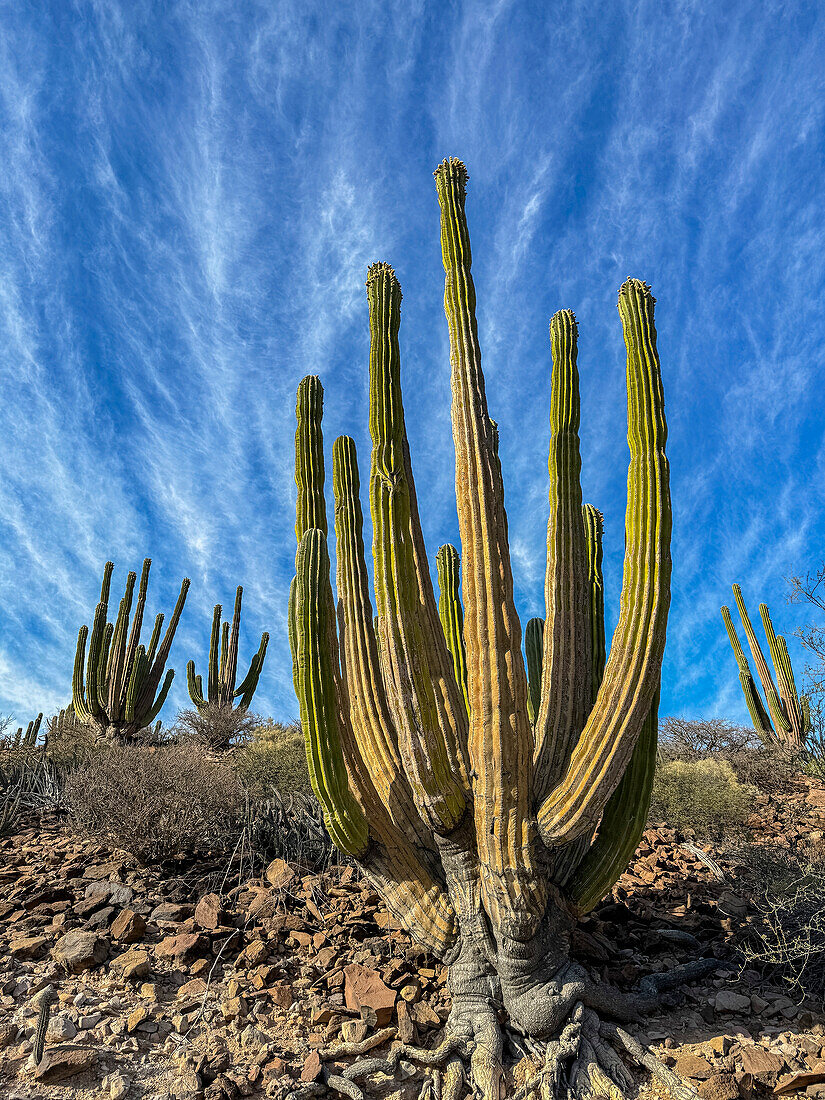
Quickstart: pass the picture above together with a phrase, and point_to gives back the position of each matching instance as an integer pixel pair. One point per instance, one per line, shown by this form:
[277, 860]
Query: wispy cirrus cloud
[190, 197]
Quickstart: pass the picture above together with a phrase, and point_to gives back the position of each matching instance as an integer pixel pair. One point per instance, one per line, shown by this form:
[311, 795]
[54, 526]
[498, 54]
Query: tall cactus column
[489, 809]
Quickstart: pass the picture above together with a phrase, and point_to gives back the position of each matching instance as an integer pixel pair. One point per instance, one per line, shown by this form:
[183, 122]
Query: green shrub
[703, 795]
[274, 759]
[157, 801]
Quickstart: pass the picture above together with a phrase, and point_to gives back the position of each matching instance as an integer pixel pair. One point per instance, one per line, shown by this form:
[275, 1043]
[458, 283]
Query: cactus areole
[472, 799]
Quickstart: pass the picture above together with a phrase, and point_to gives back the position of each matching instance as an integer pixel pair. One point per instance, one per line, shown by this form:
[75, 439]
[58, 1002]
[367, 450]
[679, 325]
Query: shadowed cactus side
[117, 688]
[786, 718]
[470, 792]
[223, 665]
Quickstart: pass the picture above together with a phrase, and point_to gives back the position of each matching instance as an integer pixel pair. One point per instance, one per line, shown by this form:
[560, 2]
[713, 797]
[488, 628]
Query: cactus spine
[786, 719]
[467, 793]
[119, 694]
[223, 665]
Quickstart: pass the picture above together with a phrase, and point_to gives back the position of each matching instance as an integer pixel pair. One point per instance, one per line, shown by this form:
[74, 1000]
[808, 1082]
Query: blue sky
[190, 194]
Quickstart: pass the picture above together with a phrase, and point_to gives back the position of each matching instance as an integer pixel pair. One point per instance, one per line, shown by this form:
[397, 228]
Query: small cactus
[119, 693]
[223, 665]
[46, 1000]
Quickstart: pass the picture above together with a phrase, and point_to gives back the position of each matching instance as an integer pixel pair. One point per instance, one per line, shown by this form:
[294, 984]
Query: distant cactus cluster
[783, 718]
[223, 665]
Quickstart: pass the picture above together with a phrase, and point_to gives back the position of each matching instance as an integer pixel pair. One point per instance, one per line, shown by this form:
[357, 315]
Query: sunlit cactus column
[486, 836]
[223, 666]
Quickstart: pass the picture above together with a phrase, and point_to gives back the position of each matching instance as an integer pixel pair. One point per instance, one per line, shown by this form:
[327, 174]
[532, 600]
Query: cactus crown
[422, 730]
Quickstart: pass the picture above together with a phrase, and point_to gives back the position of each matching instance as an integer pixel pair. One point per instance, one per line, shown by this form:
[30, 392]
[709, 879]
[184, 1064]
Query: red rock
[209, 912]
[794, 1082]
[282, 994]
[313, 1067]
[128, 927]
[693, 1066]
[721, 1086]
[176, 947]
[762, 1064]
[279, 874]
[28, 947]
[58, 1063]
[364, 988]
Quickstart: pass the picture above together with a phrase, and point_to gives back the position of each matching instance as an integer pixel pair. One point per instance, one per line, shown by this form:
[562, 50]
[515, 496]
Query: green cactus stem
[121, 692]
[489, 793]
[786, 719]
[223, 665]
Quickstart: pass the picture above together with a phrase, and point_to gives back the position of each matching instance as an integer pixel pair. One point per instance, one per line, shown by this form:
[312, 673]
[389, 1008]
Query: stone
[177, 947]
[312, 1068]
[282, 994]
[364, 987]
[693, 1066]
[137, 1017]
[128, 927]
[170, 912]
[61, 1028]
[209, 912]
[721, 1086]
[117, 1084]
[794, 1082]
[60, 1063]
[132, 965]
[195, 988]
[279, 874]
[763, 1065]
[728, 1002]
[29, 947]
[78, 951]
[115, 893]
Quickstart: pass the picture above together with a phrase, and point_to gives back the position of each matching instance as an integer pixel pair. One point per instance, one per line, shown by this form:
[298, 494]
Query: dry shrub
[787, 937]
[216, 727]
[703, 795]
[274, 759]
[157, 802]
[680, 739]
[773, 771]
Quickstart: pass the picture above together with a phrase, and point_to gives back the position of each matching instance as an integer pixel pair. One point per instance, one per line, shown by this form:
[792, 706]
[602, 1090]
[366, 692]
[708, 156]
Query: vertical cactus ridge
[316, 675]
[370, 712]
[501, 738]
[756, 708]
[429, 722]
[310, 507]
[451, 613]
[566, 695]
[633, 668]
[119, 693]
[534, 654]
[622, 824]
[594, 531]
[223, 664]
[339, 745]
[775, 705]
[786, 685]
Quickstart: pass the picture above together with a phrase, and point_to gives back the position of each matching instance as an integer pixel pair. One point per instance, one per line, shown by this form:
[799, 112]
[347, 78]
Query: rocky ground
[206, 982]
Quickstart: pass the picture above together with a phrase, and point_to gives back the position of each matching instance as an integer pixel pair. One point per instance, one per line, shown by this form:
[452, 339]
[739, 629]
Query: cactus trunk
[490, 799]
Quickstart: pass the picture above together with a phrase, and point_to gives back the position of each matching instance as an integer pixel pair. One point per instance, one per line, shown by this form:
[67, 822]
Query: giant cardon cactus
[786, 719]
[121, 692]
[488, 814]
[223, 665]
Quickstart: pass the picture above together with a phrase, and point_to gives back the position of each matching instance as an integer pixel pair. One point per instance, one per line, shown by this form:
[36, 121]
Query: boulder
[364, 988]
[78, 951]
[59, 1063]
[128, 927]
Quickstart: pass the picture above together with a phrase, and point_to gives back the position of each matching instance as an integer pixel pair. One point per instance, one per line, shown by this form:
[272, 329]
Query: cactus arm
[151, 649]
[116, 671]
[534, 655]
[566, 694]
[137, 621]
[249, 684]
[82, 710]
[451, 613]
[429, 736]
[231, 670]
[140, 670]
[622, 825]
[316, 661]
[92, 704]
[785, 682]
[756, 708]
[775, 706]
[310, 507]
[148, 717]
[214, 654]
[195, 686]
[501, 739]
[106, 585]
[102, 666]
[633, 667]
[370, 712]
[594, 530]
[144, 701]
